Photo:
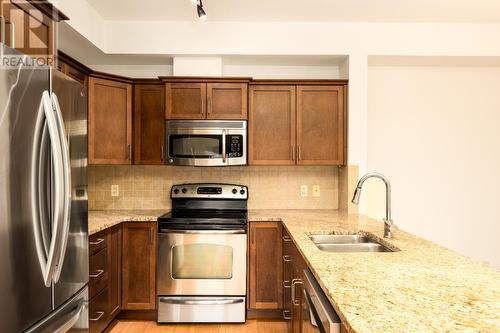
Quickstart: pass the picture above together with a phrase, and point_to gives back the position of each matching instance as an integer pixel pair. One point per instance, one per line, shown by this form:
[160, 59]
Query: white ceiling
[466, 11]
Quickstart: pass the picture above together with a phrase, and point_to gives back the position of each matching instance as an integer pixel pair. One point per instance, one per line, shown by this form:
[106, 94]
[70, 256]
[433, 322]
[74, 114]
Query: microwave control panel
[234, 145]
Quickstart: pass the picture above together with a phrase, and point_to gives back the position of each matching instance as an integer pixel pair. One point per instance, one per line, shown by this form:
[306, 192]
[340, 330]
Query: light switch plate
[303, 190]
[316, 191]
[115, 190]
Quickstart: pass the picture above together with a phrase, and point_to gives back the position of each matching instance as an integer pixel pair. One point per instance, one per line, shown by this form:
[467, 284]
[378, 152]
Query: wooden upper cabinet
[320, 125]
[110, 122]
[139, 266]
[149, 123]
[227, 101]
[185, 100]
[265, 273]
[217, 98]
[271, 125]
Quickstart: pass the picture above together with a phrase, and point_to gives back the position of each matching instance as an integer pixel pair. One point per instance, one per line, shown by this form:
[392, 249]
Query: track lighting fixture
[199, 9]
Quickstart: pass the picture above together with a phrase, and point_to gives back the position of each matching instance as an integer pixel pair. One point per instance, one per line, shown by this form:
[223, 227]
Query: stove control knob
[242, 192]
[234, 191]
[184, 190]
[176, 191]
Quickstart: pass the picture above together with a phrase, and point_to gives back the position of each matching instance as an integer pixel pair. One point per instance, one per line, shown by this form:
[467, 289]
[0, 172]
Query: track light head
[201, 12]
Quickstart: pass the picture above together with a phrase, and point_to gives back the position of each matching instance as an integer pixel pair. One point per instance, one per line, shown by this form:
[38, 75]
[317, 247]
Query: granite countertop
[422, 288]
[103, 219]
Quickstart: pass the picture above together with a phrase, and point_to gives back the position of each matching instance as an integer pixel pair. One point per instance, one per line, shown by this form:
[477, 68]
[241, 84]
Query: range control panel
[213, 191]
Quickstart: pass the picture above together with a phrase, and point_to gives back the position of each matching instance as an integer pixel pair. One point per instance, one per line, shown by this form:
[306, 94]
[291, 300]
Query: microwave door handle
[224, 158]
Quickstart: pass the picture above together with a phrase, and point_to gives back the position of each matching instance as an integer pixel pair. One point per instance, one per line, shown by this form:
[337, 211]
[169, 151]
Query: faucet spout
[388, 223]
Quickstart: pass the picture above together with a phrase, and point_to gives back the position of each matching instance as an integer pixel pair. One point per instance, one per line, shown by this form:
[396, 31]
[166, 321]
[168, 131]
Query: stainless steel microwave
[206, 142]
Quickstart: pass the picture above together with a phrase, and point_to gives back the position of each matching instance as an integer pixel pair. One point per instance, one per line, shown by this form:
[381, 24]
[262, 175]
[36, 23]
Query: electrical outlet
[303, 190]
[316, 192]
[115, 190]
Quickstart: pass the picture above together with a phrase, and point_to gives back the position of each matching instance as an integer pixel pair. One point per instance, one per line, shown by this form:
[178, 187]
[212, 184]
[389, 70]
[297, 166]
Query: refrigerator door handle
[67, 186]
[47, 261]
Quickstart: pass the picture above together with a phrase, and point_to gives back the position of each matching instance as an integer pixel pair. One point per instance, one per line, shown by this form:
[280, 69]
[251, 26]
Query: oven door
[202, 262]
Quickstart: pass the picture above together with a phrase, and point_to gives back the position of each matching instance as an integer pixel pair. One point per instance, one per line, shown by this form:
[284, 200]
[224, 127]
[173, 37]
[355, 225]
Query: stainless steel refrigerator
[43, 198]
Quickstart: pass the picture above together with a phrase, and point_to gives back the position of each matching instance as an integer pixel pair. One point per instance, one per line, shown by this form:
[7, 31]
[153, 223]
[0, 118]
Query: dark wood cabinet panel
[104, 278]
[227, 100]
[115, 270]
[320, 125]
[98, 272]
[185, 100]
[149, 123]
[265, 270]
[271, 125]
[139, 266]
[99, 312]
[110, 122]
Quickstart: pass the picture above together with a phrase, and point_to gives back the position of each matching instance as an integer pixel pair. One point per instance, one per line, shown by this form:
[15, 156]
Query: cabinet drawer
[97, 242]
[98, 272]
[98, 313]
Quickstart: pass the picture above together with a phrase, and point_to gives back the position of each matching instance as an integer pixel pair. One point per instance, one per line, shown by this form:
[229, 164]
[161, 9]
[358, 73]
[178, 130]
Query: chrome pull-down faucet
[388, 223]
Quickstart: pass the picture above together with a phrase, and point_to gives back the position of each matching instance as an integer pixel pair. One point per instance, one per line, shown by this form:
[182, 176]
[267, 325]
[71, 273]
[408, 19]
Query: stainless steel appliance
[319, 315]
[202, 254]
[43, 198]
[206, 142]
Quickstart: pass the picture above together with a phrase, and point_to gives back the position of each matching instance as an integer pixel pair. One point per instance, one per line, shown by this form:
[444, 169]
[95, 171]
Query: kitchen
[205, 177]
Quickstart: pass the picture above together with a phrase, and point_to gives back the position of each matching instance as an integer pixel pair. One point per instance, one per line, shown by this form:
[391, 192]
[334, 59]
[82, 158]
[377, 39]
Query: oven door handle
[195, 301]
[219, 232]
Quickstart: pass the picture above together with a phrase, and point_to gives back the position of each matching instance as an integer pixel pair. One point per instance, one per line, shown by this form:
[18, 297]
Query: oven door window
[195, 146]
[202, 261]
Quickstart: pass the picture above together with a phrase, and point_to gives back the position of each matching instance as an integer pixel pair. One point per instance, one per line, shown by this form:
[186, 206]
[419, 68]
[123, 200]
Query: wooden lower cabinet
[265, 270]
[139, 266]
[294, 303]
[104, 278]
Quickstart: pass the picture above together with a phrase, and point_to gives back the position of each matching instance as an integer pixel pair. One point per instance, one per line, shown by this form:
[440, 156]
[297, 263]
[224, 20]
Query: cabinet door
[271, 125]
[110, 122]
[149, 124]
[227, 101]
[185, 100]
[139, 266]
[265, 274]
[320, 125]
[115, 270]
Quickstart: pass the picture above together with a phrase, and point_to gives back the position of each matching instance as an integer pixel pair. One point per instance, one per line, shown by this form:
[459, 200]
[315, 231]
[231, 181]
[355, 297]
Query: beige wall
[146, 187]
[434, 131]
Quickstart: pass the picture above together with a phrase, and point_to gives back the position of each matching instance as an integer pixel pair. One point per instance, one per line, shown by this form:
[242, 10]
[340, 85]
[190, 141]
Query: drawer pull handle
[99, 272]
[295, 282]
[97, 242]
[287, 314]
[287, 239]
[287, 258]
[99, 315]
[287, 284]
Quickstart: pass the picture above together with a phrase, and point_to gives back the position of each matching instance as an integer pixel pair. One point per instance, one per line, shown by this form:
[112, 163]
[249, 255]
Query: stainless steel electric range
[202, 255]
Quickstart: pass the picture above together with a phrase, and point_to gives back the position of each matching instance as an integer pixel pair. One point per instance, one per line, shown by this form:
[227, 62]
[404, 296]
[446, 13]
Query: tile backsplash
[148, 187]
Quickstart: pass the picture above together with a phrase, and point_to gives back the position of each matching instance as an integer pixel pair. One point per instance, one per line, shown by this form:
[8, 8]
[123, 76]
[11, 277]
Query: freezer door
[25, 299]
[71, 98]
[71, 317]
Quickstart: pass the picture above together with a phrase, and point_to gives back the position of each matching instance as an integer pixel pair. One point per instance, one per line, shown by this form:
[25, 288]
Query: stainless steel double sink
[348, 243]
